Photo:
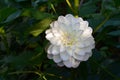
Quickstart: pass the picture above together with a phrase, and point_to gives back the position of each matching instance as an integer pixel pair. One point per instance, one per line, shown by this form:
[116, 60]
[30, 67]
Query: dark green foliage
[23, 44]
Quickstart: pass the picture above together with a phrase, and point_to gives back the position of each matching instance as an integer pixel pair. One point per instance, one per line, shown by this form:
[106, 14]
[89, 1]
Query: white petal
[80, 19]
[76, 26]
[62, 19]
[55, 50]
[78, 57]
[57, 58]
[49, 36]
[71, 63]
[76, 64]
[80, 51]
[69, 51]
[54, 41]
[60, 64]
[71, 18]
[64, 56]
[63, 27]
[50, 56]
[59, 42]
[80, 44]
[86, 57]
[87, 32]
[88, 49]
[89, 41]
[55, 24]
[79, 33]
[49, 51]
[83, 25]
[67, 63]
[89, 53]
[82, 58]
[48, 31]
[56, 33]
[62, 48]
[52, 24]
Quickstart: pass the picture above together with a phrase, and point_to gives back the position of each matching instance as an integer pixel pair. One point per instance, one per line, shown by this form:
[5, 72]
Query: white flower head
[71, 41]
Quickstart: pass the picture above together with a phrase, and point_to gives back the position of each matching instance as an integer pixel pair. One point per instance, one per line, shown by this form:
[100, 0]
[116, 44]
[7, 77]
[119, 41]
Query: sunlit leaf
[40, 27]
[2, 30]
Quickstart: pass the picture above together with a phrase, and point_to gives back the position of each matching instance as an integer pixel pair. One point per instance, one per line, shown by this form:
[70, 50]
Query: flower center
[68, 39]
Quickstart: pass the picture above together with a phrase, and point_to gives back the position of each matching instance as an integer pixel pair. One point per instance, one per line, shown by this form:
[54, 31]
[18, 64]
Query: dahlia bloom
[71, 41]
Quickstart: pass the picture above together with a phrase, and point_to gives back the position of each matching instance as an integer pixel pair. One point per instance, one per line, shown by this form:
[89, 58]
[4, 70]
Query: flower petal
[71, 63]
[88, 42]
[49, 51]
[67, 63]
[83, 25]
[57, 58]
[55, 50]
[80, 51]
[69, 51]
[63, 19]
[55, 33]
[54, 24]
[62, 48]
[71, 19]
[48, 31]
[80, 57]
[64, 56]
[87, 32]
[80, 19]
[75, 63]
[60, 64]
[49, 36]
[50, 56]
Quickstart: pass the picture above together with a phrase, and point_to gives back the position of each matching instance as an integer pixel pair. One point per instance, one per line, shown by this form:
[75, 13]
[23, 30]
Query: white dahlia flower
[71, 41]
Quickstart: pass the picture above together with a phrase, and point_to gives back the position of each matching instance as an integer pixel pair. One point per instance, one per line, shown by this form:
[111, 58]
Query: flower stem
[24, 72]
[101, 24]
[52, 6]
[76, 7]
[70, 6]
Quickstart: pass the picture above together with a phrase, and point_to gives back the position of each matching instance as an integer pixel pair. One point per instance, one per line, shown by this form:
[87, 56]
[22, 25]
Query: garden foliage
[23, 45]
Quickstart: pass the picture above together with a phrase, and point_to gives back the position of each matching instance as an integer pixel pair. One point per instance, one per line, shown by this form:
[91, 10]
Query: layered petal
[64, 56]
[57, 58]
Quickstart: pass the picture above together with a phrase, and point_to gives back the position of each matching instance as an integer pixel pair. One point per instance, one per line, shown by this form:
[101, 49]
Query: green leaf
[112, 23]
[115, 33]
[40, 15]
[40, 26]
[19, 0]
[13, 16]
[117, 3]
[88, 8]
[24, 59]
[26, 12]
[95, 20]
[108, 6]
[5, 12]
[2, 31]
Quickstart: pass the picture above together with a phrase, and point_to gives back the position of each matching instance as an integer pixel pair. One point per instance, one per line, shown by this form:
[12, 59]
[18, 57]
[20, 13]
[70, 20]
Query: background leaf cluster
[23, 44]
